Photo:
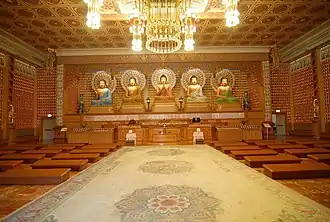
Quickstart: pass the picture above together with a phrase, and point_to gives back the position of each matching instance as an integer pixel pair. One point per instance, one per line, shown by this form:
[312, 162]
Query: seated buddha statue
[133, 92]
[195, 91]
[104, 97]
[163, 89]
[224, 93]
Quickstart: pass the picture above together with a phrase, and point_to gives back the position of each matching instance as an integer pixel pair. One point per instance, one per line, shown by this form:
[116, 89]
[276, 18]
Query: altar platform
[174, 128]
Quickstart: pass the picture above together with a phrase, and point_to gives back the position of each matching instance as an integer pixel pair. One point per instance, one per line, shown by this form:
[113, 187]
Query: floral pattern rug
[189, 183]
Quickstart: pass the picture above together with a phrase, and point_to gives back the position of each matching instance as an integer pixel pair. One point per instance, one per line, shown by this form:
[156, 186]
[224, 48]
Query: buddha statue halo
[222, 83]
[103, 85]
[193, 82]
[133, 82]
[163, 80]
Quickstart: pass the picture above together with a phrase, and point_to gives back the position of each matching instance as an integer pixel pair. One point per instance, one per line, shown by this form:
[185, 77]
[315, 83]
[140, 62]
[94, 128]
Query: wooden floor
[13, 197]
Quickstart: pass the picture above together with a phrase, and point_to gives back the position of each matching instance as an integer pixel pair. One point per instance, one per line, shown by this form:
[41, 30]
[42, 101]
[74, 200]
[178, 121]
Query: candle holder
[181, 101]
[148, 103]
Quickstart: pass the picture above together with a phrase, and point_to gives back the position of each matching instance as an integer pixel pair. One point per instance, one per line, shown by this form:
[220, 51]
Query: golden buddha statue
[164, 89]
[224, 93]
[195, 91]
[133, 91]
[133, 82]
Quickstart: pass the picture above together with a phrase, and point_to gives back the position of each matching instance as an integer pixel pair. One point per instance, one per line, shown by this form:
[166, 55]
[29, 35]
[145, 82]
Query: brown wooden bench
[78, 145]
[48, 153]
[19, 149]
[305, 152]
[219, 144]
[9, 164]
[323, 158]
[228, 149]
[312, 143]
[296, 170]
[258, 161]
[34, 176]
[27, 158]
[2, 152]
[91, 157]
[281, 148]
[326, 145]
[27, 145]
[101, 146]
[271, 142]
[75, 165]
[102, 152]
[65, 149]
[240, 154]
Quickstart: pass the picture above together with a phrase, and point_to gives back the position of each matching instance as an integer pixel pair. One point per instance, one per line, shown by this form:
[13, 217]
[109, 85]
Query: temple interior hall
[164, 110]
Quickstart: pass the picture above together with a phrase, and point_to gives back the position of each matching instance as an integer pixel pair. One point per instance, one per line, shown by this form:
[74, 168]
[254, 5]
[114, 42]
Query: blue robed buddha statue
[104, 96]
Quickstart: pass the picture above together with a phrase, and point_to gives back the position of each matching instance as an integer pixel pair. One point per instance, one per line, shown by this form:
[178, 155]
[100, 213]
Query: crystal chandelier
[232, 13]
[168, 24]
[93, 14]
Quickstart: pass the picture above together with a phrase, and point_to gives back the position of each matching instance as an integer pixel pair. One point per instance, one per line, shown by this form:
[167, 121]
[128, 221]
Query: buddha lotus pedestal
[132, 108]
[101, 109]
[229, 107]
[197, 107]
[166, 104]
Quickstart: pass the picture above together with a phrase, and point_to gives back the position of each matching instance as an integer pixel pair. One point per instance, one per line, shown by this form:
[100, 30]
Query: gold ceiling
[61, 23]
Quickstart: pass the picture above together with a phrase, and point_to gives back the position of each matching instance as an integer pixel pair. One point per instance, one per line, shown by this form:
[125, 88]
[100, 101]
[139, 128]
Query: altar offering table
[90, 135]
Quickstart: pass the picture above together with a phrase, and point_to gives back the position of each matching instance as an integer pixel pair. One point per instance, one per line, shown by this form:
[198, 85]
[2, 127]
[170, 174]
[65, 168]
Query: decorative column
[324, 85]
[3, 96]
[59, 89]
[268, 102]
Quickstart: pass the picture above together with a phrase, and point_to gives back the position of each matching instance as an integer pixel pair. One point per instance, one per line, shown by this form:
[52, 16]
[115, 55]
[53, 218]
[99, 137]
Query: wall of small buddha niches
[325, 67]
[280, 89]
[77, 80]
[2, 66]
[302, 86]
[46, 93]
[23, 98]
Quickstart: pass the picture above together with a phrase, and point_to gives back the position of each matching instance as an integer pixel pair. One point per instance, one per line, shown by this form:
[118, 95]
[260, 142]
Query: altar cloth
[170, 183]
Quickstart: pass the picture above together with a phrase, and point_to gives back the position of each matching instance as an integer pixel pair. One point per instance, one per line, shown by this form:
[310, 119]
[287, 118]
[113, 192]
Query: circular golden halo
[102, 75]
[224, 73]
[170, 75]
[185, 79]
[137, 75]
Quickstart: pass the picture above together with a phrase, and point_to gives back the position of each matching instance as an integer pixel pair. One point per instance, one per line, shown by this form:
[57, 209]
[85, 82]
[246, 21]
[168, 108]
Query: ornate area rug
[171, 184]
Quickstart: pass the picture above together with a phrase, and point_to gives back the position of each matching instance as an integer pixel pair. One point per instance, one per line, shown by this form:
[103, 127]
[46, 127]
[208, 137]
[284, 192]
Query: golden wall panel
[23, 99]
[46, 82]
[280, 89]
[303, 94]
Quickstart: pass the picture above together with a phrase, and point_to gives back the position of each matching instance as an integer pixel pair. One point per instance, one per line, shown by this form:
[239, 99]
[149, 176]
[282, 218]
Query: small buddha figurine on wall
[195, 91]
[104, 97]
[224, 92]
[103, 86]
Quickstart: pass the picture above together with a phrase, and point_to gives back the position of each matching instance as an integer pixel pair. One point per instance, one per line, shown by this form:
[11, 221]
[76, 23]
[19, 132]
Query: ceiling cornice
[21, 49]
[127, 51]
[307, 42]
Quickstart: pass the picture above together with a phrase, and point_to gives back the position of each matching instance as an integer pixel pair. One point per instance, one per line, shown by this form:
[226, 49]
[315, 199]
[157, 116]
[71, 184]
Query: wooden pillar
[320, 86]
[291, 99]
[5, 100]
